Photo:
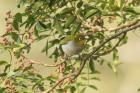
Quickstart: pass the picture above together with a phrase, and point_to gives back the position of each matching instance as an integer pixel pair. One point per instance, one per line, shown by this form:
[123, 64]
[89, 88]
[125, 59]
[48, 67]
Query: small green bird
[73, 45]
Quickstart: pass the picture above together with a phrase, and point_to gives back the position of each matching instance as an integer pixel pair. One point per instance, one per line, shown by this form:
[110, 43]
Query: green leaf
[15, 25]
[92, 66]
[76, 27]
[79, 4]
[115, 55]
[91, 13]
[29, 22]
[138, 89]
[72, 89]
[124, 40]
[93, 87]
[112, 66]
[10, 74]
[130, 10]
[122, 3]
[37, 5]
[59, 90]
[111, 2]
[55, 54]
[67, 10]
[52, 2]
[83, 90]
[95, 78]
[46, 48]
[2, 90]
[6, 67]
[69, 21]
[18, 17]
[40, 26]
[2, 62]
[17, 20]
[58, 27]
[36, 32]
[3, 74]
[15, 36]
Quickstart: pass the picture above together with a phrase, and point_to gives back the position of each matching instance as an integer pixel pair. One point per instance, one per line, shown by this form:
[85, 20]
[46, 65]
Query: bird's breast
[72, 48]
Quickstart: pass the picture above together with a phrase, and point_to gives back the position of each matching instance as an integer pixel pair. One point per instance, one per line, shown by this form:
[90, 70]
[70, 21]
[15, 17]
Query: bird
[73, 44]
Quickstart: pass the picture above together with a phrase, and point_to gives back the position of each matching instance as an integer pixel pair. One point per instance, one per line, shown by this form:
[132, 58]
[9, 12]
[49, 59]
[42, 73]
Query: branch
[40, 63]
[110, 50]
[57, 83]
[122, 31]
[125, 26]
[119, 31]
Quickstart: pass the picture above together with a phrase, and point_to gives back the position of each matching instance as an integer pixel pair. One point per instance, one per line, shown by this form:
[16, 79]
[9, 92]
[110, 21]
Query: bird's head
[79, 38]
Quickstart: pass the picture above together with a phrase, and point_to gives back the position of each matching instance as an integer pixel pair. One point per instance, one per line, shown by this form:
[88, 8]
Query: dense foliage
[52, 21]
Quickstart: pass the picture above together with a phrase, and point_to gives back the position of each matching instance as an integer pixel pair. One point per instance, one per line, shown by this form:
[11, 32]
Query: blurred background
[126, 81]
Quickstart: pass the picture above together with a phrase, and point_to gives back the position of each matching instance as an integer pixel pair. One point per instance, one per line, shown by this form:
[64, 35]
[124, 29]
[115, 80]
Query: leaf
[55, 54]
[115, 55]
[79, 4]
[93, 87]
[45, 49]
[52, 2]
[18, 17]
[122, 3]
[60, 90]
[50, 44]
[96, 78]
[15, 36]
[15, 25]
[2, 62]
[130, 10]
[10, 74]
[112, 66]
[17, 20]
[69, 21]
[2, 90]
[92, 66]
[91, 13]
[58, 27]
[124, 40]
[29, 22]
[83, 90]
[37, 5]
[76, 27]
[67, 10]
[111, 2]
[138, 89]
[36, 32]
[3, 74]
[72, 89]
[6, 67]
[40, 26]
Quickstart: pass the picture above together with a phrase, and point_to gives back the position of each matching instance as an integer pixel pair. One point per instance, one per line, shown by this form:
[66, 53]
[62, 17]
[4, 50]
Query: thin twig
[102, 44]
[110, 50]
[57, 83]
[40, 63]
[76, 74]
